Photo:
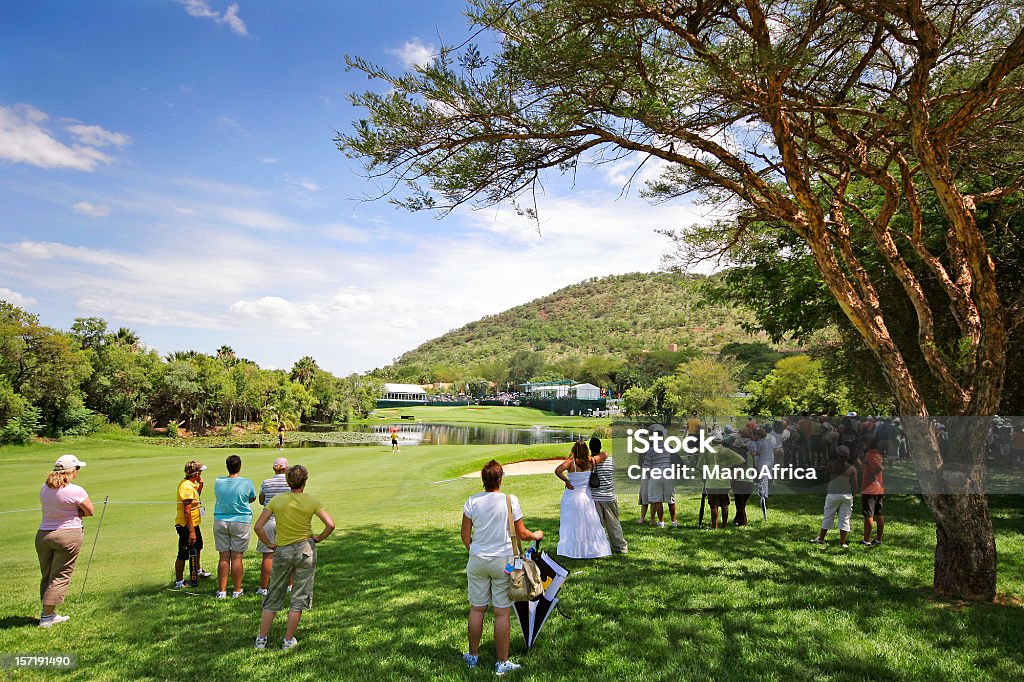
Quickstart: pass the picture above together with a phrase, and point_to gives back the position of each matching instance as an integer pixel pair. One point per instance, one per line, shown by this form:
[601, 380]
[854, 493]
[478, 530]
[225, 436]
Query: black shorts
[871, 505]
[183, 545]
[718, 499]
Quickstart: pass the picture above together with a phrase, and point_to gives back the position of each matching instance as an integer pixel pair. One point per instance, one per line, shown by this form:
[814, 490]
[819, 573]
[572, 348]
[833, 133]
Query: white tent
[404, 392]
[586, 392]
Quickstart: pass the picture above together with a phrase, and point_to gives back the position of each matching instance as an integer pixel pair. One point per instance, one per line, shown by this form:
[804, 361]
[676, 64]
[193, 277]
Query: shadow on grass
[753, 603]
[18, 622]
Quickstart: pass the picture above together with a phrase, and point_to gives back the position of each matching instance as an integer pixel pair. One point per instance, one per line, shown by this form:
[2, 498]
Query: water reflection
[422, 433]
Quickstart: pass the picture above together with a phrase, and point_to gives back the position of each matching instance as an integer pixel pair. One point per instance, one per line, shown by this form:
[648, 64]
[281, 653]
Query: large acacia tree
[784, 112]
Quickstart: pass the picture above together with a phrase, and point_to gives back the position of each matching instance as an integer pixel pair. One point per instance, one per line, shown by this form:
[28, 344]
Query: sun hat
[194, 467]
[67, 462]
[280, 463]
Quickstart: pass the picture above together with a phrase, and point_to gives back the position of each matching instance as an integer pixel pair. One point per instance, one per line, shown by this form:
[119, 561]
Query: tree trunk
[965, 548]
[953, 482]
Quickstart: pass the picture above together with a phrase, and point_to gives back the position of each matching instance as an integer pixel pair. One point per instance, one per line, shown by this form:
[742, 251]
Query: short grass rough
[756, 603]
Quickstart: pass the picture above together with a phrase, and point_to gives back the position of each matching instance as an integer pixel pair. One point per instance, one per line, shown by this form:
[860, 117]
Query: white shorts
[837, 502]
[270, 528]
[661, 490]
[231, 536]
[488, 581]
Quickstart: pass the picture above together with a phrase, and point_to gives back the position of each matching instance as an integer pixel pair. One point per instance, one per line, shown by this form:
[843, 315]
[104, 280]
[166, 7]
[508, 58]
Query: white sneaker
[661, 524]
[178, 584]
[289, 643]
[470, 660]
[203, 574]
[221, 595]
[675, 524]
[55, 619]
[261, 642]
[260, 591]
[236, 595]
[503, 667]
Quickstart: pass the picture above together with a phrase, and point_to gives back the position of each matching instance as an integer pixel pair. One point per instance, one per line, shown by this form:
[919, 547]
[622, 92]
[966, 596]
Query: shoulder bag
[525, 582]
[595, 480]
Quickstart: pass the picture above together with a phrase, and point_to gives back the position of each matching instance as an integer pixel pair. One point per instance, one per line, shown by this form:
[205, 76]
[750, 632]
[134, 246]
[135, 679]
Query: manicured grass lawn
[488, 414]
[758, 603]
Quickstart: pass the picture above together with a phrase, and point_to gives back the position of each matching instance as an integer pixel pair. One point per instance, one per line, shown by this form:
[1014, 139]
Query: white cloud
[272, 160]
[254, 218]
[234, 21]
[303, 183]
[24, 139]
[15, 298]
[95, 136]
[415, 53]
[113, 304]
[202, 10]
[91, 210]
[306, 314]
[346, 233]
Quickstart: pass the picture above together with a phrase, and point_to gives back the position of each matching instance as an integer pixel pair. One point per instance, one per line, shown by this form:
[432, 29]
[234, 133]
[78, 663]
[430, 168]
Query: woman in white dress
[580, 533]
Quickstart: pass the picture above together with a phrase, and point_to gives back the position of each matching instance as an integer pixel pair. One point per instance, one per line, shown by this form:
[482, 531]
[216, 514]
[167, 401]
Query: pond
[432, 433]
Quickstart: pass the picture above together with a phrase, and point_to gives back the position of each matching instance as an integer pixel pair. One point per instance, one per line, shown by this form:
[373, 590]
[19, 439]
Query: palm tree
[281, 415]
[183, 355]
[127, 337]
[304, 370]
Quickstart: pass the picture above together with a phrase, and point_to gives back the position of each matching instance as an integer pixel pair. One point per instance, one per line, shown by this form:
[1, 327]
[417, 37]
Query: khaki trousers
[58, 551]
[609, 513]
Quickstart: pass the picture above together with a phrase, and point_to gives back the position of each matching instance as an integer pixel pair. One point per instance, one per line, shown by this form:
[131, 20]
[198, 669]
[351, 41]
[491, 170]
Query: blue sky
[168, 165]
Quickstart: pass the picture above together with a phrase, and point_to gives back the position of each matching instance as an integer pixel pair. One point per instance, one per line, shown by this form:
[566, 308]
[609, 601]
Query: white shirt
[489, 514]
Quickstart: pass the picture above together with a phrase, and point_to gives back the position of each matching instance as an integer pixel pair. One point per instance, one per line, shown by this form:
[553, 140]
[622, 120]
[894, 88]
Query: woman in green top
[294, 553]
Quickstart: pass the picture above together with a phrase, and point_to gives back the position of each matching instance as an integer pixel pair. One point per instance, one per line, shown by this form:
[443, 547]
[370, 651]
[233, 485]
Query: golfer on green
[294, 553]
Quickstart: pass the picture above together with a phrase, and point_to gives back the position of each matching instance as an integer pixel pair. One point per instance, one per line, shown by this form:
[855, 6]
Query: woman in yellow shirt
[294, 553]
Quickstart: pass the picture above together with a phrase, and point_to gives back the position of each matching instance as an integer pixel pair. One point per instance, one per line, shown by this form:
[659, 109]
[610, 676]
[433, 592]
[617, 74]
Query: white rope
[36, 509]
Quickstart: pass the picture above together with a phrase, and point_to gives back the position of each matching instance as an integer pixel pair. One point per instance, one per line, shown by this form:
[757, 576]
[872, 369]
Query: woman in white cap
[60, 535]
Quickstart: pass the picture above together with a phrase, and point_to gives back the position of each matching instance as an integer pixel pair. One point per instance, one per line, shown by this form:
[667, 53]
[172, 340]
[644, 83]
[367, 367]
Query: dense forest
[74, 382]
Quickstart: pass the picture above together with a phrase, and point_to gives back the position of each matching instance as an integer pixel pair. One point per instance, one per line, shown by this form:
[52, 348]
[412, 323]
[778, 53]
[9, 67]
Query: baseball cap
[281, 463]
[67, 462]
[194, 467]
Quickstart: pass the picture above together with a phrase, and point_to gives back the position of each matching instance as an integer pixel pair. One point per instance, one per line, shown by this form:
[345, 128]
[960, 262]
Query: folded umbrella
[533, 614]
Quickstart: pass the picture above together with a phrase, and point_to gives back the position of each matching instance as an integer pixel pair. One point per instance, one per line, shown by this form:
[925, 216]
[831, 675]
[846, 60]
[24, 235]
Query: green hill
[599, 316]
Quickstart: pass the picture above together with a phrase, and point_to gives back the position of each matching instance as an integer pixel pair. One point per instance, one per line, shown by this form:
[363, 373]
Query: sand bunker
[538, 466]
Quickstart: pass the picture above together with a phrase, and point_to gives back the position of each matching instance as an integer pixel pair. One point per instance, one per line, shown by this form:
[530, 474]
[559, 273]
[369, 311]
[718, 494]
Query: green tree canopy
[797, 384]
